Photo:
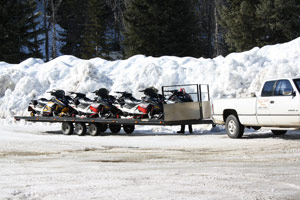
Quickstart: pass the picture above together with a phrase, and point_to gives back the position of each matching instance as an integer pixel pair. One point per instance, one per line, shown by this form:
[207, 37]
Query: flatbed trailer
[197, 112]
[98, 126]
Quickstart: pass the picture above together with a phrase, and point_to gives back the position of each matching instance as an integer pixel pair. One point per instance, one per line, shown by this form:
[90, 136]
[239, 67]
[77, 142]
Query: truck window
[268, 89]
[297, 83]
[282, 86]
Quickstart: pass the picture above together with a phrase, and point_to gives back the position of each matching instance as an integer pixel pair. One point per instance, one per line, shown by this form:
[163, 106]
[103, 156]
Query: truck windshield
[297, 83]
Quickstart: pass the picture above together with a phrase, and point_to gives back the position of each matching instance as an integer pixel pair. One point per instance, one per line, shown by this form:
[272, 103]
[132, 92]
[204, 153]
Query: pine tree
[72, 17]
[161, 27]
[239, 20]
[116, 23]
[280, 21]
[19, 31]
[251, 23]
[95, 42]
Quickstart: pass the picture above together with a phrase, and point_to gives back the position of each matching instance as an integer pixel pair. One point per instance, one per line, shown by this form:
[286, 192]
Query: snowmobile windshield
[150, 92]
[59, 94]
[102, 92]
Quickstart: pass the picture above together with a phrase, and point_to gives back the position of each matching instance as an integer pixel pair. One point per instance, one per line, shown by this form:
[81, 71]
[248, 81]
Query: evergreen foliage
[95, 42]
[161, 27]
[279, 19]
[251, 23]
[19, 31]
[72, 18]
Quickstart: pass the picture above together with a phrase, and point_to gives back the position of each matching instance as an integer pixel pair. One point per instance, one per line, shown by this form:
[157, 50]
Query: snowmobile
[84, 106]
[37, 106]
[130, 106]
[150, 106]
[56, 106]
[152, 103]
[106, 108]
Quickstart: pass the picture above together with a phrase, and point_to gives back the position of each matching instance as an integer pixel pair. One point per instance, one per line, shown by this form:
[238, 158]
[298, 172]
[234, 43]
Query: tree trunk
[53, 31]
[217, 48]
[54, 9]
[46, 31]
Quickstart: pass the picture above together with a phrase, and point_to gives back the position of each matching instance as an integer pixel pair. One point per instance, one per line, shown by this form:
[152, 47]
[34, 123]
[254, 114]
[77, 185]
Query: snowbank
[235, 75]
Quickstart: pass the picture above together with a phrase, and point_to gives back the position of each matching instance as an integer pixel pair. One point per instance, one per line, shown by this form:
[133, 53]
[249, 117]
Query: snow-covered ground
[238, 74]
[37, 162]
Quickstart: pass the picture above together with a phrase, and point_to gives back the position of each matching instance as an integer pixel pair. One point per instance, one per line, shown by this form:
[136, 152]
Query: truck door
[263, 104]
[284, 104]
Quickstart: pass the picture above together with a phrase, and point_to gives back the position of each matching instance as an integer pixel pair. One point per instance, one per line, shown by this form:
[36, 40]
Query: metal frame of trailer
[197, 112]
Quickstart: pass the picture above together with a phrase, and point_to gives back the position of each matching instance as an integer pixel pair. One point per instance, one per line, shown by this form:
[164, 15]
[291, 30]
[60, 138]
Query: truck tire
[67, 128]
[279, 132]
[80, 129]
[234, 128]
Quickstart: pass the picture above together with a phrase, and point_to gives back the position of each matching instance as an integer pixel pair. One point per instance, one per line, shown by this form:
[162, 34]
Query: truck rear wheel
[67, 128]
[279, 132]
[234, 128]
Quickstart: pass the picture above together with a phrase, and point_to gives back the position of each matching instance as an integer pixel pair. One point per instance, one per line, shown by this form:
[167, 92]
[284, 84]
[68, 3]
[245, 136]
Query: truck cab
[279, 103]
[277, 107]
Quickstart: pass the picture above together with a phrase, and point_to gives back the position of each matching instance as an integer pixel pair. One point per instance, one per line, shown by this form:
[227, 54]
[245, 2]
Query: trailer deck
[120, 121]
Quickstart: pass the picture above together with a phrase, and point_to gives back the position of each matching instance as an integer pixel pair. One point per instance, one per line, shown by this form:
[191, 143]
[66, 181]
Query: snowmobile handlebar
[121, 92]
[172, 91]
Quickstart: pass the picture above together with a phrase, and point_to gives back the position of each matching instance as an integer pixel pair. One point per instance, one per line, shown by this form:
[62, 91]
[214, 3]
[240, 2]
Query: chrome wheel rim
[232, 127]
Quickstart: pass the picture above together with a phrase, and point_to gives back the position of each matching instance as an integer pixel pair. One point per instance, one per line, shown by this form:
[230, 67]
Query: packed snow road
[37, 162]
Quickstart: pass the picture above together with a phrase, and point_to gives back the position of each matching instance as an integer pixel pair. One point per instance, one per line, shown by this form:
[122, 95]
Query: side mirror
[289, 93]
[252, 94]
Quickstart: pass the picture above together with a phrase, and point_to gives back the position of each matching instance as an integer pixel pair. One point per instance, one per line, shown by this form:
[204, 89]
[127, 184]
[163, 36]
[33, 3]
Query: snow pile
[235, 75]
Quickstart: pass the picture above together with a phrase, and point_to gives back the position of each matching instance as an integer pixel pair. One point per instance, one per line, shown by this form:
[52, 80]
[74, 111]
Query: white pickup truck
[277, 107]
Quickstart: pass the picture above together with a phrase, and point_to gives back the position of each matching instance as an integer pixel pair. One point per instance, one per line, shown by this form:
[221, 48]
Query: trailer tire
[128, 128]
[279, 132]
[102, 128]
[67, 128]
[115, 128]
[80, 129]
[94, 129]
[234, 128]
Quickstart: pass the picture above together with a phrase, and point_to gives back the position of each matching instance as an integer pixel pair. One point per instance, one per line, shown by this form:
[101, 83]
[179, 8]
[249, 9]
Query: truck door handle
[271, 101]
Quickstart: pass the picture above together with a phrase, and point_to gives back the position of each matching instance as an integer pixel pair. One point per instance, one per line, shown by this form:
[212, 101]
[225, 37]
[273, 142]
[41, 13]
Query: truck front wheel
[234, 128]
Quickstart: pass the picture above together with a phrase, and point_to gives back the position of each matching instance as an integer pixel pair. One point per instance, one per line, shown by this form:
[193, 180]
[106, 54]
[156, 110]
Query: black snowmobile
[106, 106]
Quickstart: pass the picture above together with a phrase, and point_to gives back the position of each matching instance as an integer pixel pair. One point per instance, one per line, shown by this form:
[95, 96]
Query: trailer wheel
[80, 129]
[128, 128]
[94, 129]
[234, 128]
[279, 132]
[67, 128]
[115, 128]
[102, 128]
